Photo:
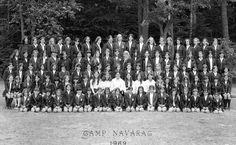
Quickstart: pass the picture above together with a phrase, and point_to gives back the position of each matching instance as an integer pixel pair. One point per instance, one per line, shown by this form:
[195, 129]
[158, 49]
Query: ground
[144, 128]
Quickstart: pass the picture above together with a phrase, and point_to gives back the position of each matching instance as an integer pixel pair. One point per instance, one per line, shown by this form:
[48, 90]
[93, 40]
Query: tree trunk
[145, 27]
[191, 20]
[21, 23]
[224, 19]
[171, 30]
[140, 16]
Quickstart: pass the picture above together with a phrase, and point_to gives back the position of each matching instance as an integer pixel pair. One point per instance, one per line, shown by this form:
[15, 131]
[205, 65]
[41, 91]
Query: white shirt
[175, 74]
[177, 62]
[189, 63]
[94, 85]
[88, 45]
[187, 47]
[136, 85]
[111, 45]
[118, 83]
[119, 43]
[148, 83]
[130, 44]
[43, 46]
[151, 46]
[60, 47]
[146, 61]
[157, 60]
[210, 59]
[178, 47]
[35, 59]
[20, 74]
[173, 100]
[105, 84]
[10, 86]
[151, 99]
[141, 46]
[100, 50]
[162, 47]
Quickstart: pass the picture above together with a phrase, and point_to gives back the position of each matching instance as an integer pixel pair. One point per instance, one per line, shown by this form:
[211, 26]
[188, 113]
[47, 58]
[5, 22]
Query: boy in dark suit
[36, 101]
[226, 91]
[152, 99]
[68, 99]
[89, 101]
[174, 101]
[119, 101]
[162, 100]
[205, 102]
[79, 101]
[25, 101]
[130, 100]
[58, 101]
[47, 101]
[218, 104]
[186, 100]
[195, 101]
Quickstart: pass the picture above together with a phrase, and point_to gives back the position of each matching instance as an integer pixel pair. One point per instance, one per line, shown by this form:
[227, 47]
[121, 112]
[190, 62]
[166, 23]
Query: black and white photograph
[117, 72]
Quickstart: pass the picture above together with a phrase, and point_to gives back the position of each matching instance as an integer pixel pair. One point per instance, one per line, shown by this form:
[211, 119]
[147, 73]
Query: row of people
[165, 45]
[222, 86]
[116, 61]
[106, 101]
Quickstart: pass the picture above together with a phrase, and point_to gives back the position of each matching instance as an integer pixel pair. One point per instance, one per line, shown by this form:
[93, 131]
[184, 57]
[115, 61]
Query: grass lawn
[136, 128]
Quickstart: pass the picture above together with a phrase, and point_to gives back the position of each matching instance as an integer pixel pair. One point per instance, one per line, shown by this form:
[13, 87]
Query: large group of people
[175, 76]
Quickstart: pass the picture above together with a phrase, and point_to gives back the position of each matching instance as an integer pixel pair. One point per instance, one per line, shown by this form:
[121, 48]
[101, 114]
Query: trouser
[227, 103]
[8, 102]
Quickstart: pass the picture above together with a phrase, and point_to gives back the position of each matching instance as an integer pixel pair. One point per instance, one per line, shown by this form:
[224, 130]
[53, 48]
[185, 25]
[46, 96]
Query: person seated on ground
[130, 100]
[141, 100]
[218, 104]
[205, 102]
[106, 97]
[25, 101]
[98, 101]
[195, 101]
[58, 101]
[8, 93]
[17, 93]
[151, 99]
[174, 101]
[79, 101]
[119, 101]
[35, 100]
[47, 102]
[186, 101]
[162, 100]
[68, 99]
[89, 101]
[226, 91]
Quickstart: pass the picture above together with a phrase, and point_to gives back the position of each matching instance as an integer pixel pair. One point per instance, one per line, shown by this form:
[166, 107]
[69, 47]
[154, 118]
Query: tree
[42, 17]
[224, 16]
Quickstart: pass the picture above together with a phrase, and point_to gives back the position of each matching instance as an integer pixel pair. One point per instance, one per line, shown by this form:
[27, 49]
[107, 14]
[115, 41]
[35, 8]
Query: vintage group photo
[118, 72]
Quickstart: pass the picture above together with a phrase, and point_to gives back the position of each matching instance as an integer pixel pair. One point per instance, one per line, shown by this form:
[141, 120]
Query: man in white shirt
[117, 82]
[148, 82]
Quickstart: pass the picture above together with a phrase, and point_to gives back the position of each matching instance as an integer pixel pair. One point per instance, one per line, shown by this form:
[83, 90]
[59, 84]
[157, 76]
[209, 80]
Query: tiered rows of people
[118, 76]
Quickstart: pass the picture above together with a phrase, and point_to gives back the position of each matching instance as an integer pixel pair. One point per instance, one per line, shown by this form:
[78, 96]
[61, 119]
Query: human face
[178, 42]
[162, 41]
[87, 39]
[151, 40]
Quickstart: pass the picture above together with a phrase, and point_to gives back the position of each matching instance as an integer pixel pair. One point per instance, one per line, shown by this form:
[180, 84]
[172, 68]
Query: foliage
[43, 17]
[102, 18]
